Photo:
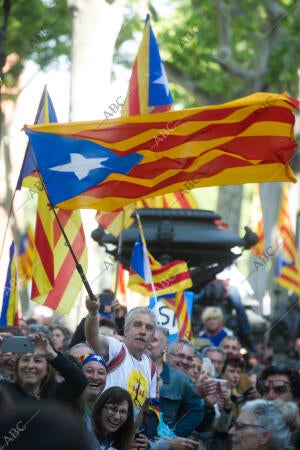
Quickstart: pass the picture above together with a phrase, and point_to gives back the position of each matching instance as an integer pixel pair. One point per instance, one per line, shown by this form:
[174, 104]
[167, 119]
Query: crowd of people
[118, 383]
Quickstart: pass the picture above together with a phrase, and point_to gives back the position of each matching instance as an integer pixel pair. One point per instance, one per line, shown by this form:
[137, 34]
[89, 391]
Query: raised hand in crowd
[42, 343]
[209, 389]
[92, 305]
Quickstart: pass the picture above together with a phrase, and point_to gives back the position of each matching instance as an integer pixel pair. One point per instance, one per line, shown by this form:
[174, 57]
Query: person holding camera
[34, 376]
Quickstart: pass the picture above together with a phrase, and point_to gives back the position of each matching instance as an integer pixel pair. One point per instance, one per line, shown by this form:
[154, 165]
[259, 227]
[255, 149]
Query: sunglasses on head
[241, 425]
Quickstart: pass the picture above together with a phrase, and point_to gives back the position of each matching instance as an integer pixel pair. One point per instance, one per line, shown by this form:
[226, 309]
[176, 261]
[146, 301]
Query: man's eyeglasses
[241, 425]
[279, 387]
[182, 356]
[113, 410]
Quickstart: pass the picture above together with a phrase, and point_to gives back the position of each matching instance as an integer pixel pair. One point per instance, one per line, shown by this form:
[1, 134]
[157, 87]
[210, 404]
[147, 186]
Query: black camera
[139, 431]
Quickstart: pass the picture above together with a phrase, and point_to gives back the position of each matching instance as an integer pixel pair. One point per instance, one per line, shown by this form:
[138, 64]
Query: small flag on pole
[144, 270]
[288, 262]
[9, 311]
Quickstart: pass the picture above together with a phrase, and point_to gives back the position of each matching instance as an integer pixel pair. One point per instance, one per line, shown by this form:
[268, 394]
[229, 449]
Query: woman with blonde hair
[214, 330]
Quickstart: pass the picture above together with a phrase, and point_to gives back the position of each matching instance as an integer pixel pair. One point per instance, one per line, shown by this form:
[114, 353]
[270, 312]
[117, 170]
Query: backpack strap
[120, 358]
[117, 360]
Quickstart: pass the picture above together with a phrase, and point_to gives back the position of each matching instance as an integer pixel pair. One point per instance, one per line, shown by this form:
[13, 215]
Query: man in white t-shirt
[129, 367]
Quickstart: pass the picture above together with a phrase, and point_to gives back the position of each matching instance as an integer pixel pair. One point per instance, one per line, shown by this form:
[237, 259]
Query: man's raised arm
[94, 338]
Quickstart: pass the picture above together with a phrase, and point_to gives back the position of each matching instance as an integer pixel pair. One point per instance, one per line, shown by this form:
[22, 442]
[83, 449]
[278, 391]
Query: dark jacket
[69, 390]
[182, 408]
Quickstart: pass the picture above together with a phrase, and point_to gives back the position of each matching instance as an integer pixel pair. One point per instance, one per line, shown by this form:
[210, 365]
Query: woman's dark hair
[292, 375]
[64, 330]
[233, 360]
[122, 438]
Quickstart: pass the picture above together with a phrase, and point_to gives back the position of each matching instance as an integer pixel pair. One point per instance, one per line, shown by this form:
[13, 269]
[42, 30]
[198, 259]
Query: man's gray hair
[139, 310]
[181, 341]
[69, 351]
[269, 416]
[231, 338]
[165, 332]
[213, 349]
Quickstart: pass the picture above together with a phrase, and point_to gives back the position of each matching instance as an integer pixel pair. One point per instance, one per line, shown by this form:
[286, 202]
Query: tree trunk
[229, 205]
[95, 28]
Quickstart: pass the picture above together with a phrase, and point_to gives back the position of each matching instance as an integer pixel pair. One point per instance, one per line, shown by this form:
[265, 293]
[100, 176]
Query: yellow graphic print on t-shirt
[137, 386]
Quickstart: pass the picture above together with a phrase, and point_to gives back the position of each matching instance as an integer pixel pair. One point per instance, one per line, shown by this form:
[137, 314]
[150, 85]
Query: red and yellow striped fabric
[167, 279]
[257, 222]
[142, 82]
[25, 256]
[43, 262]
[178, 305]
[243, 141]
[288, 262]
[60, 292]
[115, 221]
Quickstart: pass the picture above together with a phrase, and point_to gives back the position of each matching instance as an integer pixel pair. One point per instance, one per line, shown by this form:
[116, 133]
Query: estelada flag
[108, 164]
[9, 311]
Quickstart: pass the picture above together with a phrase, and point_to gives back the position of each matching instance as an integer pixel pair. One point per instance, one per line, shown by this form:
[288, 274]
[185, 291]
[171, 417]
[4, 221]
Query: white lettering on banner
[166, 317]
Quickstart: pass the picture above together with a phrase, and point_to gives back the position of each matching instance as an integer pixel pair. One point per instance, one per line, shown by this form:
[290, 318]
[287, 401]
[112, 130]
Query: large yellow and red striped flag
[109, 164]
[257, 222]
[55, 281]
[288, 261]
[148, 92]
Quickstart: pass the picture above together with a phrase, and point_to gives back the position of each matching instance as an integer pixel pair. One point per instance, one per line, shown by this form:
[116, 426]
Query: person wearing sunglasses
[262, 425]
[279, 382]
[112, 424]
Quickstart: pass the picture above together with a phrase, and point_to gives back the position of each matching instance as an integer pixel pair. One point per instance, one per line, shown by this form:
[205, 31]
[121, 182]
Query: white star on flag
[163, 80]
[80, 165]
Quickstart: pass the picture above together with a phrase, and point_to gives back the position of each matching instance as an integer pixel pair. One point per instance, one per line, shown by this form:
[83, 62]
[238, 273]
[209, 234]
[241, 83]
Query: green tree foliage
[223, 49]
[38, 30]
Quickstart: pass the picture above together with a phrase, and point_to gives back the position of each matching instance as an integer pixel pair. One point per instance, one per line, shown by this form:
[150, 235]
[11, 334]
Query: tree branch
[224, 55]
[182, 78]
